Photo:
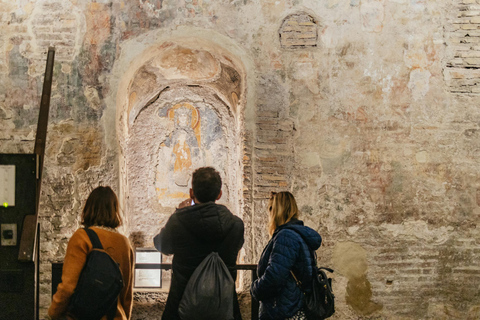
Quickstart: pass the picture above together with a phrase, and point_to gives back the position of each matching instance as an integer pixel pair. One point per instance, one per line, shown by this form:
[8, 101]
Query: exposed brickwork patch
[298, 31]
[462, 73]
[55, 24]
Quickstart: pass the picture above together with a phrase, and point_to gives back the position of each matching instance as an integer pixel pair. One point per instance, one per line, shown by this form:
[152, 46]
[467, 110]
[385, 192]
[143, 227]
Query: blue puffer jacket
[275, 288]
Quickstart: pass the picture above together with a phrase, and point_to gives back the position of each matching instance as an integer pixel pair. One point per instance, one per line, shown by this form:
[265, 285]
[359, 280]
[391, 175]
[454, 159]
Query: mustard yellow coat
[78, 248]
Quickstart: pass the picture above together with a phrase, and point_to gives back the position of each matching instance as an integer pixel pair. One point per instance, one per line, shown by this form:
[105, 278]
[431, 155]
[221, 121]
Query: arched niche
[182, 108]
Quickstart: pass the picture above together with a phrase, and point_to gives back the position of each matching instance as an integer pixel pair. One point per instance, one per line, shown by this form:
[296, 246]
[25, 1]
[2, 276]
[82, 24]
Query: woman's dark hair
[101, 209]
[206, 184]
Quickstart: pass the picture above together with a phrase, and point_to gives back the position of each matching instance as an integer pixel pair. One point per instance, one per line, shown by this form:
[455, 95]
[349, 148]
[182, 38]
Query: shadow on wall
[138, 239]
[350, 260]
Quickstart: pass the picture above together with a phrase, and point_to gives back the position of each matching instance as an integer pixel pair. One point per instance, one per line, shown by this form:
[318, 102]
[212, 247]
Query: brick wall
[416, 277]
[462, 73]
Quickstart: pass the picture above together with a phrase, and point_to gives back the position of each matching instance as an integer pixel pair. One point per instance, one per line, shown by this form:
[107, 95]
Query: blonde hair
[282, 208]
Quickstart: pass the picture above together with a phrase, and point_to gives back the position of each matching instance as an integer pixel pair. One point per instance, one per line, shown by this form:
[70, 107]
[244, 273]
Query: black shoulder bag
[320, 302]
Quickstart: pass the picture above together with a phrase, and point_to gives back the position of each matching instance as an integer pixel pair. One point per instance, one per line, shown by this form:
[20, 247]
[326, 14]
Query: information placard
[147, 268]
[7, 185]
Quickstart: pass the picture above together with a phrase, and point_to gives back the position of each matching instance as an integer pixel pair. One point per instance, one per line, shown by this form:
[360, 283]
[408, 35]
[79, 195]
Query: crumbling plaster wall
[373, 125]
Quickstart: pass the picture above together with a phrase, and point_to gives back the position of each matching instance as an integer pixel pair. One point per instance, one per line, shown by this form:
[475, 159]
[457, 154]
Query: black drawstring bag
[209, 292]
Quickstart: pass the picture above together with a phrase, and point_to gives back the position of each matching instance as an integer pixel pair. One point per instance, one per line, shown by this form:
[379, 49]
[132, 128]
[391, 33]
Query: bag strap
[113, 311]
[93, 238]
[298, 282]
[325, 268]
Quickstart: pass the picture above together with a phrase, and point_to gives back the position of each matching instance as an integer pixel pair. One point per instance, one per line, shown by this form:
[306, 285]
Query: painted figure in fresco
[197, 139]
[183, 161]
[185, 141]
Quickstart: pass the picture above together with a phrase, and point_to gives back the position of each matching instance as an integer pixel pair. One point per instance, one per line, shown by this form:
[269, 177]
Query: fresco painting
[196, 140]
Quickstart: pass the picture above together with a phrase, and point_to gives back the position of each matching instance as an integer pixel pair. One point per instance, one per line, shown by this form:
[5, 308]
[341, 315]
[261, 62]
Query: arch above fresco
[164, 58]
[177, 65]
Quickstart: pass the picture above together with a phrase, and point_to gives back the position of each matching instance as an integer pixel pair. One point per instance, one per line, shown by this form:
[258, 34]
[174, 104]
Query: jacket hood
[310, 236]
[207, 221]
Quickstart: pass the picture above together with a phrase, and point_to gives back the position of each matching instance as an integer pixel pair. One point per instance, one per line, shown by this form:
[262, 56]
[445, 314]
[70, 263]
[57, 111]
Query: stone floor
[150, 305]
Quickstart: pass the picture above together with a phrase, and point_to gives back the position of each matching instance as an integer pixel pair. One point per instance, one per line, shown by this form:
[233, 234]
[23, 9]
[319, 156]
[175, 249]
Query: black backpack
[209, 292]
[320, 301]
[99, 285]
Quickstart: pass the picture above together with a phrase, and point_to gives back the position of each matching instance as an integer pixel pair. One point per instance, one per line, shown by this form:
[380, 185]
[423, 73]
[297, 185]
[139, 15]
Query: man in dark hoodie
[198, 227]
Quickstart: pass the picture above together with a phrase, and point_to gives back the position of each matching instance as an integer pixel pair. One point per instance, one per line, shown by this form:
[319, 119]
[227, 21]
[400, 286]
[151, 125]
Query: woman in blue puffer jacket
[287, 252]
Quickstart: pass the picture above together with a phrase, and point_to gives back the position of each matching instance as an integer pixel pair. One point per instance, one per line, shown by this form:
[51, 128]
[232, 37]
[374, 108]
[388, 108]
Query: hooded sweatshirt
[289, 250]
[190, 234]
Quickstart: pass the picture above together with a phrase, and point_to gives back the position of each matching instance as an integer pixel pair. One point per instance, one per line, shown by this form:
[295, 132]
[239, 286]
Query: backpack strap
[93, 238]
[113, 311]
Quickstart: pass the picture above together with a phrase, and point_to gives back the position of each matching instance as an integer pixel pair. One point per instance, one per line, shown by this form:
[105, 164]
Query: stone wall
[366, 110]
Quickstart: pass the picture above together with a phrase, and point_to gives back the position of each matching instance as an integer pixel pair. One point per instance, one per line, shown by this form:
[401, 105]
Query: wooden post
[28, 240]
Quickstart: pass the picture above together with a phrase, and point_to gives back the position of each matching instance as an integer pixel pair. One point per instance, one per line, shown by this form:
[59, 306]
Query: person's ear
[219, 195]
[191, 194]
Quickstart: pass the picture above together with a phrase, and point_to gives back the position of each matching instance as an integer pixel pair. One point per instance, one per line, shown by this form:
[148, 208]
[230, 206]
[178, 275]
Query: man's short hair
[206, 184]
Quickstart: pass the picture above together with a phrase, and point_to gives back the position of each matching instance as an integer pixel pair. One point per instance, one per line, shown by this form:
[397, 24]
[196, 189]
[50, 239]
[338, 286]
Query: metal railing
[57, 275]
